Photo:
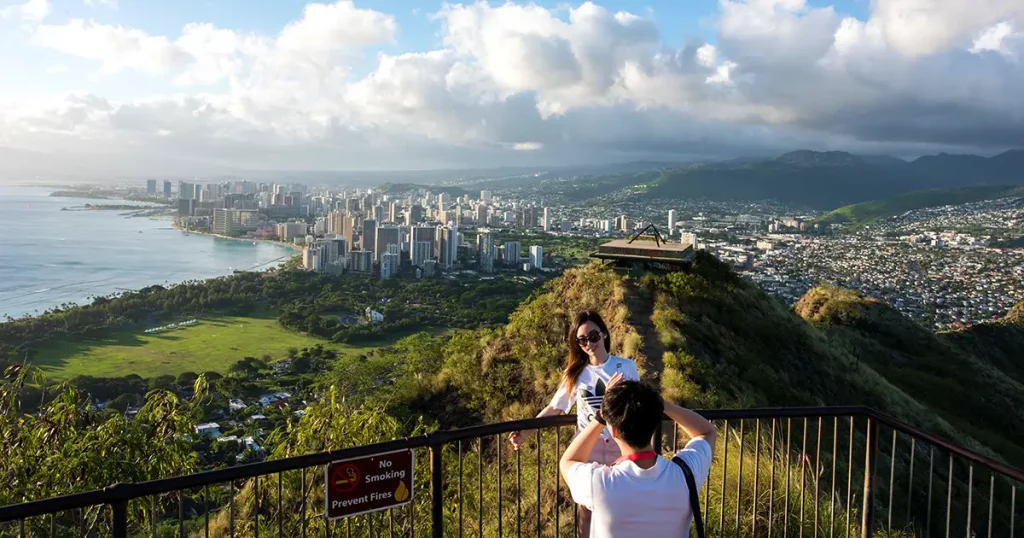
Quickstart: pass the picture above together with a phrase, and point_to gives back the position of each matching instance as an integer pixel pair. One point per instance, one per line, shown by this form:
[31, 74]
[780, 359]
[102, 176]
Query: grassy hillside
[869, 212]
[947, 372]
[710, 339]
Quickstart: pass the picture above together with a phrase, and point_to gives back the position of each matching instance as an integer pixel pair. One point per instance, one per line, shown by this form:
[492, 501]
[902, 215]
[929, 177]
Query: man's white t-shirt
[589, 389]
[628, 501]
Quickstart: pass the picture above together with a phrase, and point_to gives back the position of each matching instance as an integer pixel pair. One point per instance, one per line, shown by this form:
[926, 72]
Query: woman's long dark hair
[578, 358]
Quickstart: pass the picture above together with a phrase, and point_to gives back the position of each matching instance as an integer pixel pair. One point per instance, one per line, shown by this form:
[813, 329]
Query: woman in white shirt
[591, 369]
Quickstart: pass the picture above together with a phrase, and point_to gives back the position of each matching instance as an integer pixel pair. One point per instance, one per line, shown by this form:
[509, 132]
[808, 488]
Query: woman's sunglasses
[594, 336]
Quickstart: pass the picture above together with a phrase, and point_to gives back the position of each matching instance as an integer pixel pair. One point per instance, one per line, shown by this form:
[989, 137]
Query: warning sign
[369, 484]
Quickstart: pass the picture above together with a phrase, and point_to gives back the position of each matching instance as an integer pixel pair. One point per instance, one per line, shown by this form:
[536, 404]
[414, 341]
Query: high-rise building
[186, 191]
[429, 268]
[229, 221]
[485, 251]
[423, 233]
[511, 252]
[369, 237]
[394, 210]
[348, 230]
[315, 256]
[537, 256]
[443, 201]
[362, 261]
[340, 246]
[167, 189]
[288, 231]
[447, 246]
[389, 265]
[414, 214]
[547, 219]
[527, 217]
[421, 251]
[387, 235]
[485, 196]
[481, 214]
[186, 207]
[623, 223]
[151, 187]
[671, 230]
[336, 222]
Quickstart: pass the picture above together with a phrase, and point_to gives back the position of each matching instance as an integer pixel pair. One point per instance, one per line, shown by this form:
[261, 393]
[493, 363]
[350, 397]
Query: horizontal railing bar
[783, 412]
[923, 435]
[124, 492]
[486, 430]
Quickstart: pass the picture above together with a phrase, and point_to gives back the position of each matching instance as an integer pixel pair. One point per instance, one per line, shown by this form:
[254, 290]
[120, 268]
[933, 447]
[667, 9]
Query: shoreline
[291, 246]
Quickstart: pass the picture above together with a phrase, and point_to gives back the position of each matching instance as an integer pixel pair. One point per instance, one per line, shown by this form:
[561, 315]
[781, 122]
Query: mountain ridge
[826, 180]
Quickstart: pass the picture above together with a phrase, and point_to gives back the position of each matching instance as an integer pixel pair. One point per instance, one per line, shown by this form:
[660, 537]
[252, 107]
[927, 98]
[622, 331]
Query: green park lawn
[214, 344]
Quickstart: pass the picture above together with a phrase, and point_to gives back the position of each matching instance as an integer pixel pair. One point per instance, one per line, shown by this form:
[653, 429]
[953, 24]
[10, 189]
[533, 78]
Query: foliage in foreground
[67, 447]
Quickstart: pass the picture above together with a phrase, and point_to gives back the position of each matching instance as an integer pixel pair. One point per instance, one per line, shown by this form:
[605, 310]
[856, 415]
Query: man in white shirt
[643, 494]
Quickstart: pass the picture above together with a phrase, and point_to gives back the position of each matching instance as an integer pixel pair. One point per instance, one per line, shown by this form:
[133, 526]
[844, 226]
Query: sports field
[215, 343]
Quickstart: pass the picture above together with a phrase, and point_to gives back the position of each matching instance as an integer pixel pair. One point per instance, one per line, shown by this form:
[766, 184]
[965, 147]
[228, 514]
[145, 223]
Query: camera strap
[691, 484]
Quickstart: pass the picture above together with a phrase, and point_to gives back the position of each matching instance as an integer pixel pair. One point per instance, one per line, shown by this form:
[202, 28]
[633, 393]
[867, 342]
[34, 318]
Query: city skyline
[127, 86]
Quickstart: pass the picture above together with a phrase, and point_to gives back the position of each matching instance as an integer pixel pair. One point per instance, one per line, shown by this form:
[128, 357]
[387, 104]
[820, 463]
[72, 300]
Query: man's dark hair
[634, 409]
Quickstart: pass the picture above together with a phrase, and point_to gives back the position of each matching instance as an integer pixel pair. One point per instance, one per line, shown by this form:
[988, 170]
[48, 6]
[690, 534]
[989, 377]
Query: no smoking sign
[369, 484]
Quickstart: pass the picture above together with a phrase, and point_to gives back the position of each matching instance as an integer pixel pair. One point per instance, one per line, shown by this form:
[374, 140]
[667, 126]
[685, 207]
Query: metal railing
[796, 488]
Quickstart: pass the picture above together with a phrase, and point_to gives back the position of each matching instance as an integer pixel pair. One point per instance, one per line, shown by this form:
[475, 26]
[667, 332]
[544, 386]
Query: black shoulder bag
[691, 484]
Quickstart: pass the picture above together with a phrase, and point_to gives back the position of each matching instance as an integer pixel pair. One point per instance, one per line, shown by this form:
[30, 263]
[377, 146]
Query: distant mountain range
[826, 180]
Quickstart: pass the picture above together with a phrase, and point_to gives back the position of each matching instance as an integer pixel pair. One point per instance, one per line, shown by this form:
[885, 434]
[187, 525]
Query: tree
[243, 369]
[186, 379]
[302, 364]
[66, 448]
[122, 402]
[165, 382]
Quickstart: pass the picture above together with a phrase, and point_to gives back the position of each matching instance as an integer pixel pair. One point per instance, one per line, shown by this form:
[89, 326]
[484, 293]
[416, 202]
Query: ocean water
[49, 257]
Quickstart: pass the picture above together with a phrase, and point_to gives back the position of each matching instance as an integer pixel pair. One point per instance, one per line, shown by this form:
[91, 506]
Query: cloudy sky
[396, 84]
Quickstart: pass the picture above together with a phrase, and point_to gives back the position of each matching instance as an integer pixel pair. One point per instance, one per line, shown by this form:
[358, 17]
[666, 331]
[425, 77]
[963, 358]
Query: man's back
[628, 501]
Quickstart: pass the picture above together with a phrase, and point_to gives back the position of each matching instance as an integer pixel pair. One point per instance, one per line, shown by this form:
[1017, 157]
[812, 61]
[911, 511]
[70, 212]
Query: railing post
[436, 486]
[119, 528]
[658, 433]
[870, 462]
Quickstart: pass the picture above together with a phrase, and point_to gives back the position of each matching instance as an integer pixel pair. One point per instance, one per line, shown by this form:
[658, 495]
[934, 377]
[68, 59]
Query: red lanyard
[642, 455]
[637, 456]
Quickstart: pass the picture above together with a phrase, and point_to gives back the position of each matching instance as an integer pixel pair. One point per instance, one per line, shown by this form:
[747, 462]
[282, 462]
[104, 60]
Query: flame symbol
[402, 493]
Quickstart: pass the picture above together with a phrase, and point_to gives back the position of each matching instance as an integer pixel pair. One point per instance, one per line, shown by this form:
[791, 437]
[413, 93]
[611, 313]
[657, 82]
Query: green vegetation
[301, 298]
[65, 447]
[214, 344]
[945, 372]
[870, 212]
[709, 338]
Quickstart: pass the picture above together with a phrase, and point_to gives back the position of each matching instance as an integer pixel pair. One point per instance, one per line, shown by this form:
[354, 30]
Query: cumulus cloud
[515, 80]
[32, 11]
